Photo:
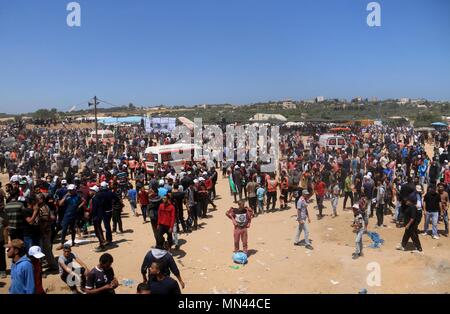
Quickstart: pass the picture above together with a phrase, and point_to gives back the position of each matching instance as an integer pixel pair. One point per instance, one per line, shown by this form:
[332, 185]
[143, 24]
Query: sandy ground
[276, 265]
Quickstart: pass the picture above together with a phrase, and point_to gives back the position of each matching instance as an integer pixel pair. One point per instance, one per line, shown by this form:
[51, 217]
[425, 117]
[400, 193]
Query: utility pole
[95, 103]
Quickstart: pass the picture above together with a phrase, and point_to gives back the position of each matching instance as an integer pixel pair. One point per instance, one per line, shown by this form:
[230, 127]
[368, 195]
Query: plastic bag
[240, 258]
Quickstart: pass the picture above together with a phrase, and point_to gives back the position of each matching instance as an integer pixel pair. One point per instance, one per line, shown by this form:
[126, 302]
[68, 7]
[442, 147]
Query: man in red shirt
[143, 200]
[320, 189]
[241, 218]
[166, 220]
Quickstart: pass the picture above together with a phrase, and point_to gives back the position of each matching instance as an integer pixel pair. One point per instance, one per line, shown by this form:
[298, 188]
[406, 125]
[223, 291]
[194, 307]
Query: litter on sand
[234, 267]
[377, 241]
[334, 282]
[77, 241]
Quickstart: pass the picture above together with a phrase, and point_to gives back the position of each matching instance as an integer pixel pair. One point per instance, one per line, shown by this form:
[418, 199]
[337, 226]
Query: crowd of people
[61, 182]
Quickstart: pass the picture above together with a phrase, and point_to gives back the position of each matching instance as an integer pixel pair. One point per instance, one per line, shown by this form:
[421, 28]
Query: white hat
[356, 206]
[104, 184]
[242, 165]
[71, 187]
[161, 182]
[63, 181]
[201, 179]
[195, 181]
[236, 167]
[36, 252]
[205, 173]
[369, 174]
[94, 188]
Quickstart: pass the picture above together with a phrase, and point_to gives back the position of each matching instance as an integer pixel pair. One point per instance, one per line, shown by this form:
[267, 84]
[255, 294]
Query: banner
[161, 124]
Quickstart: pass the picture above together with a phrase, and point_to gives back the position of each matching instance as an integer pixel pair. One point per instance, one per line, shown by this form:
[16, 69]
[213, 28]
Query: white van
[105, 136]
[163, 154]
[332, 141]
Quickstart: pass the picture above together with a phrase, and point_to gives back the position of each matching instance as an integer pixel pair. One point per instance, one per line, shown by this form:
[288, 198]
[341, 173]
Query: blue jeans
[133, 207]
[359, 242]
[434, 220]
[30, 241]
[397, 210]
[260, 206]
[302, 227]
[334, 204]
[445, 218]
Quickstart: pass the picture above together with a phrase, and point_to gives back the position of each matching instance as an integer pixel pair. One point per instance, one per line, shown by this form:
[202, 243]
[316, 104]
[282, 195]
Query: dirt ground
[275, 264]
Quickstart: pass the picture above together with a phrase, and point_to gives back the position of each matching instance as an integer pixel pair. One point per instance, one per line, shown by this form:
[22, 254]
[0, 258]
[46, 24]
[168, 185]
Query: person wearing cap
[22, 276]
[59, 195]
[72, 203]
[35, 254]
[303, 220]
[95, 215]
[359, 226]
[410, 221]
[162, 191]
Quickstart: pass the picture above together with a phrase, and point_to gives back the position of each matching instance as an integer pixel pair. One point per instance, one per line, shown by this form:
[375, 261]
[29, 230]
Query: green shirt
[348, 184]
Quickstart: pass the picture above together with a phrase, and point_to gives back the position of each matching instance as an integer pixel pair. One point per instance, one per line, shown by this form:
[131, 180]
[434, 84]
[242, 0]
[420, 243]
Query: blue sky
[220, 51]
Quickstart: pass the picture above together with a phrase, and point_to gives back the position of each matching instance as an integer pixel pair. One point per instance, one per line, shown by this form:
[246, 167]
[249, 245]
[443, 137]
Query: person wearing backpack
[241, 218]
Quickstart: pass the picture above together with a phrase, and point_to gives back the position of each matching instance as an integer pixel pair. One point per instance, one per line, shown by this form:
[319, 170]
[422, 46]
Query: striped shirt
[14, 214]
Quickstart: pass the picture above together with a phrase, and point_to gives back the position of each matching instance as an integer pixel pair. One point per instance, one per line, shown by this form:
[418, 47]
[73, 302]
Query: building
[320, 99]
[288, 104]
[357, 99]
[403, 101]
